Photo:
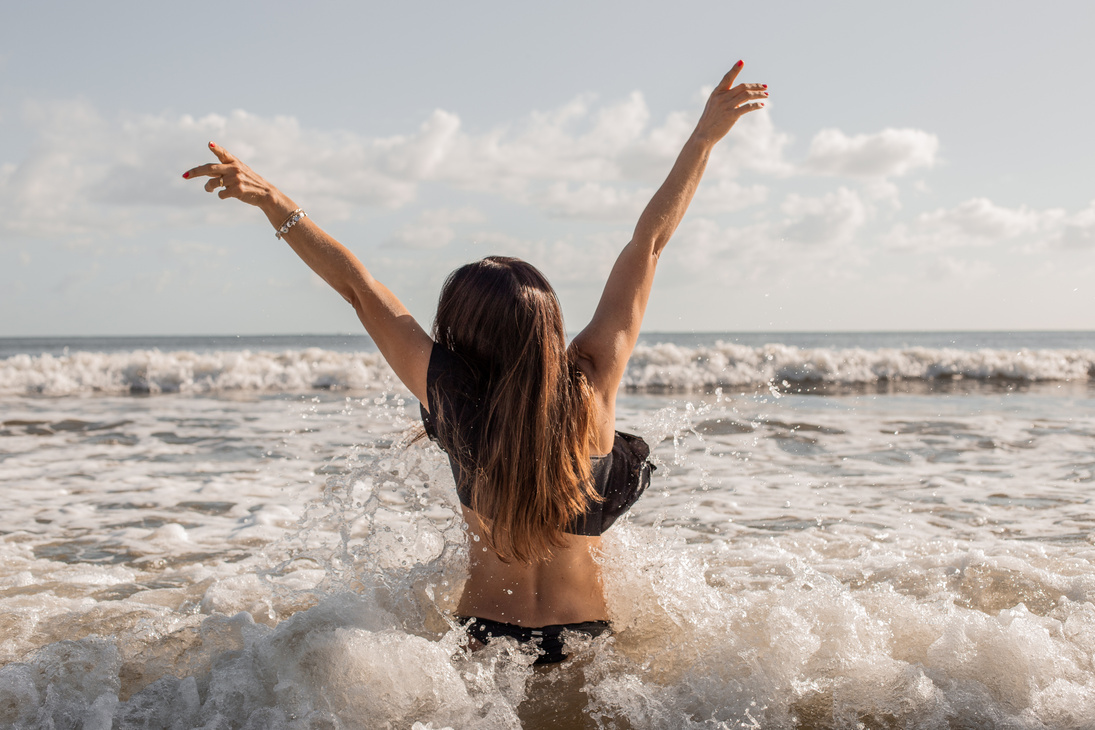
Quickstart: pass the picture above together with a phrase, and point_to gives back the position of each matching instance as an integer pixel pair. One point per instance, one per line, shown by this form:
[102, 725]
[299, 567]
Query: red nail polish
[765, 85]
[186, 176]
[741, 63]
[212, 145]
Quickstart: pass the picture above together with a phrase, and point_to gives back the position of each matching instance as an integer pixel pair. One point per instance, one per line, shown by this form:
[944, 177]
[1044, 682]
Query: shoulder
[596, 370]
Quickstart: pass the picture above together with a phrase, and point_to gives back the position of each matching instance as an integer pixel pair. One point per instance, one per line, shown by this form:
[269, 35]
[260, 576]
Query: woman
[527, 422]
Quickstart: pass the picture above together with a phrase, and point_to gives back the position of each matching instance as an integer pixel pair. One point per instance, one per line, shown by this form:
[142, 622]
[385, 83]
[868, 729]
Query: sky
[918, 167]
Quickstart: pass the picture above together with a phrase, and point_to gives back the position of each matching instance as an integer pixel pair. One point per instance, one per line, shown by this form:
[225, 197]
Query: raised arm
[402, 341]
[605, 345]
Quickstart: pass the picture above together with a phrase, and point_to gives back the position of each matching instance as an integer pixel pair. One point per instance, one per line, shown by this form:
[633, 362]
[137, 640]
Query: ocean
[845, 530]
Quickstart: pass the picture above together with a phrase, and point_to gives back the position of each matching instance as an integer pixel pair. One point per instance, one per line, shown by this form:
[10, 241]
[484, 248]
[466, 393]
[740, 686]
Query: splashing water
[291, 562]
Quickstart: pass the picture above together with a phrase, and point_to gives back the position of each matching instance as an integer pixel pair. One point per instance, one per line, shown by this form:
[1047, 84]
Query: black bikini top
[620, 477]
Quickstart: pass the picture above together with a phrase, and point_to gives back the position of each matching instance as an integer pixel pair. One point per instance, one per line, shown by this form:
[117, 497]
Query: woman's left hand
[235, 179]
[727, 104]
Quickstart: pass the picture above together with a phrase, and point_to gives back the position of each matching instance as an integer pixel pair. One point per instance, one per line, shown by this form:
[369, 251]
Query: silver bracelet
[294, 218]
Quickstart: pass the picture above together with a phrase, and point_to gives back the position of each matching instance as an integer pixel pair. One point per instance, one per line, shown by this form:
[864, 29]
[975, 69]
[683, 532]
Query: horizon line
[569, 334]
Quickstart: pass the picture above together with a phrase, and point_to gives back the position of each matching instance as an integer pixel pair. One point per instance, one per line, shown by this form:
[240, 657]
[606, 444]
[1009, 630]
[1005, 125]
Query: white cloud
[593, 201]
[87, 178]
[754, 145]
[704, 251]
[725, 196]
[434, 228]
[418, 157]
[950, 268]
[650, 157]
[574, 143]
[889, 153]
[975, 222]
[881, 191]
[567, 261]
[45, 193]
[981, 218]
[831, 219]
[701, 244]
[1078, 231]
[87, 175]
[583, 261]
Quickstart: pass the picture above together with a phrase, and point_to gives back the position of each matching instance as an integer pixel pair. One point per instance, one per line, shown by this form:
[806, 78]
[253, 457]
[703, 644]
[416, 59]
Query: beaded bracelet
[294, 218]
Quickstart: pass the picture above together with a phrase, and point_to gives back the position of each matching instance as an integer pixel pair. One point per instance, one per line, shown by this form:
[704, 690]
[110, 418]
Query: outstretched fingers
[741, 98]
[731, 75]
[220, 174]
[222, 154]
[214, 169]
[230, 178]
[751, 106]
[211, 169]
[748, 93]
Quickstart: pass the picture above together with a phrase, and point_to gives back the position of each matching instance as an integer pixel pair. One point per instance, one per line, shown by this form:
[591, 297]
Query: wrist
[277, 207]
[705, 140]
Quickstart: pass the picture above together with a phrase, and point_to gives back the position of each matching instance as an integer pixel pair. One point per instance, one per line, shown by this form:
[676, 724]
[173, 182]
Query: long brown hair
[529, 472]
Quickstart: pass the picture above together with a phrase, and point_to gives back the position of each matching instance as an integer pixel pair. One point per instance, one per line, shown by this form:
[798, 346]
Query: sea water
[888, 530]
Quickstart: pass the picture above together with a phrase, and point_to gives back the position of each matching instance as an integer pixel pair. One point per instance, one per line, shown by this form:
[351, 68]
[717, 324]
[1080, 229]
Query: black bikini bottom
[547, 639]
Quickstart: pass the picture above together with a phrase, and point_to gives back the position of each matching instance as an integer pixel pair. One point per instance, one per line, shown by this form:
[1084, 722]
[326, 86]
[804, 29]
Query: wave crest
[652, 368]
[672, 367]
[152, 371]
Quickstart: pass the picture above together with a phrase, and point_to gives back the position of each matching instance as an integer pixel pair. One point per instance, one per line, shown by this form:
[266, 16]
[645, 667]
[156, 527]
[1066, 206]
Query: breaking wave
[653, 368]
[671, 367]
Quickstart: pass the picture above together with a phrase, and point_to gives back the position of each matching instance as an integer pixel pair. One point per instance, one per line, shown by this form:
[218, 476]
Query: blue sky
[919, 167]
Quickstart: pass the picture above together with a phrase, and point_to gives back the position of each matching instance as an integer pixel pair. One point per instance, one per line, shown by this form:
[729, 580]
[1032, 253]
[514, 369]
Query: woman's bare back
[563, 589]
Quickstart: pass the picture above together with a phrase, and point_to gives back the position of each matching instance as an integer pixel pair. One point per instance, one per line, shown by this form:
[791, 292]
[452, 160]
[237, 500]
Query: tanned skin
[565, 588]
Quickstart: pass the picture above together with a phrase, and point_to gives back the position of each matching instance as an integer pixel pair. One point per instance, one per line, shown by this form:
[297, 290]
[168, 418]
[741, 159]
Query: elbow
[355, 293]
[649, 244]
[352, 299]
[654, 249]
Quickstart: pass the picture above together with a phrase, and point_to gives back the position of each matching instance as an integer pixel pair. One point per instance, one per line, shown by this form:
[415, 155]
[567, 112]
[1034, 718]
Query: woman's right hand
[727, 104]
[237, 180]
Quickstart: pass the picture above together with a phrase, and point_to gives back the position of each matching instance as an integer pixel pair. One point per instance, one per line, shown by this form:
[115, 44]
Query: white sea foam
[672, 367]
[661, 367]
[826, 631]
[153, 371]
[800, 561]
